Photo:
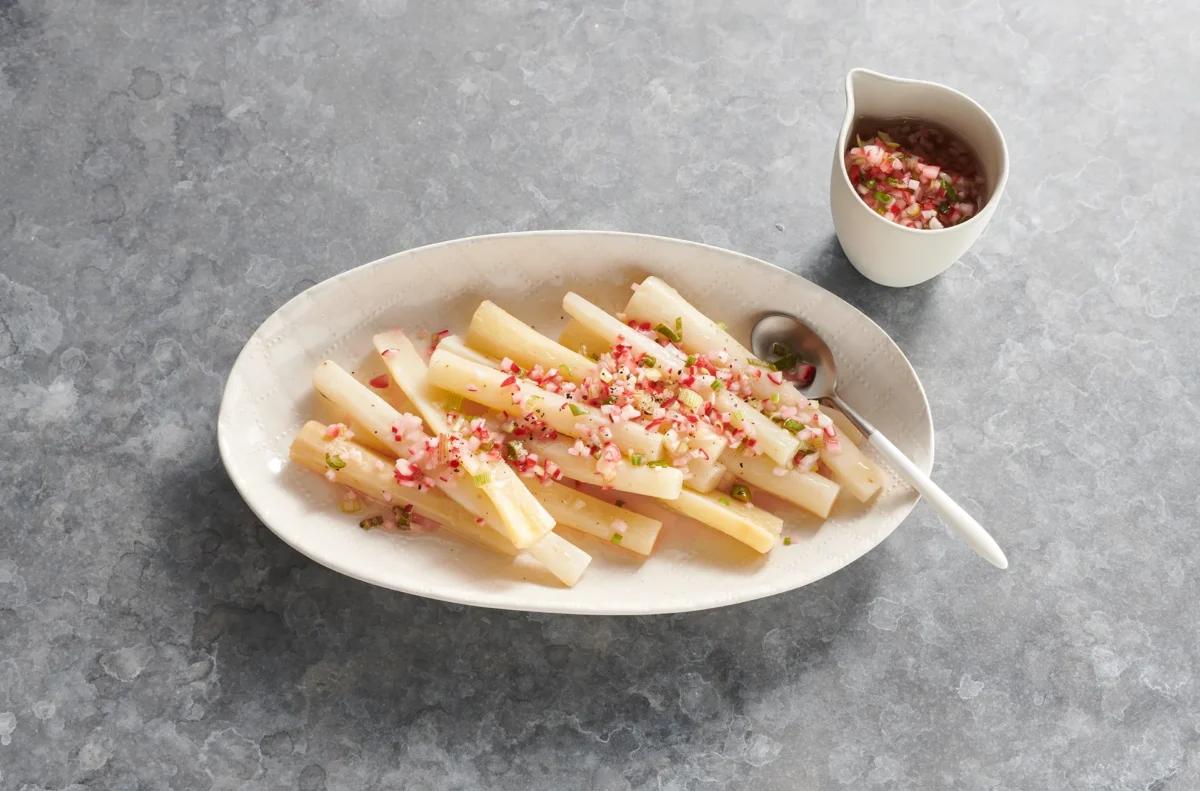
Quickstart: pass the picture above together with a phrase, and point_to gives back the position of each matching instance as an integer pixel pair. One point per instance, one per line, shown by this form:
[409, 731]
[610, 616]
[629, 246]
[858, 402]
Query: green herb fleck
[400, 515]
[481, 479]
[883, 197]
[717, 385]
[786, 363]
[757, 363]
[723, 500]
[659, 463]
[616, 538]
[635, 459]
[334, 461]
[787, 541]
[691, 360]
[668, 333]
[740, 492]
[576, 409]
[793, 425]
[647, 361]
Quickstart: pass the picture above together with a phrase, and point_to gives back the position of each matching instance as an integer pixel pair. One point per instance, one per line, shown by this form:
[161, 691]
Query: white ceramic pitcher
[883, 251]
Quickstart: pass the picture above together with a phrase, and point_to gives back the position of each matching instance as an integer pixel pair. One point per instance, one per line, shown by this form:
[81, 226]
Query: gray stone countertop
[170, 173]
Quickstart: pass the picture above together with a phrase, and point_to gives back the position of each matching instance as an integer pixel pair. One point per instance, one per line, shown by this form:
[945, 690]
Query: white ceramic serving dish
[268, 396]
[887, 253]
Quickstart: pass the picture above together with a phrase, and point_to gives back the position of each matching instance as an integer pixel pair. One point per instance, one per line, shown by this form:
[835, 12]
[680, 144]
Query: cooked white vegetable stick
[808, 490]
[752, 526]
[372, 413]
[843, 425]
[600, 323]
[456, 345]
[499, 334]
[773, 440]
[655, 301]
[704, 475]
[485, 385]
[576, 337]
[596, 517]
[370, 473]
[661, 482]
[563, 559]
[560, 557]
[364, 409]
[522, 515]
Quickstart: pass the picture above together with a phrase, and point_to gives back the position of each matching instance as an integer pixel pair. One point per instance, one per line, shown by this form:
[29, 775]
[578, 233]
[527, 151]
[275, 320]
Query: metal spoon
[780, 328]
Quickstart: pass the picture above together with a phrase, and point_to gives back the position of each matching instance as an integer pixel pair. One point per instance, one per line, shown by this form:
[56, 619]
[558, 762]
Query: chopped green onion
[786, 363]
[566, 370]
[775, 398]
[635, 459]
[869, 184]
[334, 461]
[787, 541]
[679, 325]
[778, 349]
[481, 479]
[793, 425]
[668, 333]
[400, 516]
[576, 409]
[691, 360]
[659, 463]
[371, 521]
[723, 500]
[609, 400]
[757, 363]
[740, 492]
[895, 182]
[616, 538]
[647, 361]
[883, 197]
[717, 384]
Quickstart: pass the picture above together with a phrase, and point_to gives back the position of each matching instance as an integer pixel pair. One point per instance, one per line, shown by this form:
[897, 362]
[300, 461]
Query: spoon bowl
[776, 330]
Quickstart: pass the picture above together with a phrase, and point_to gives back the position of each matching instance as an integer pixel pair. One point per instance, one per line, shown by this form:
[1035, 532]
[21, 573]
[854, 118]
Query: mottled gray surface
[171, 172]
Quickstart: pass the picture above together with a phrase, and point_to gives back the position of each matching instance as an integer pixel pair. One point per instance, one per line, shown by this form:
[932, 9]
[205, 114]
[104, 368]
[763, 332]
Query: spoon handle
[951, 512]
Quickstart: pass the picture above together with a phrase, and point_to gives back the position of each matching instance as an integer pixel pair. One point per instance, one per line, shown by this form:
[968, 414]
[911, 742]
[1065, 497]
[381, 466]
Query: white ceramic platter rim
[268, 392]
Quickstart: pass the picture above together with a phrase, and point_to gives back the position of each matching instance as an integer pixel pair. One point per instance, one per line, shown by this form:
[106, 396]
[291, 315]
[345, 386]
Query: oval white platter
[269, 395]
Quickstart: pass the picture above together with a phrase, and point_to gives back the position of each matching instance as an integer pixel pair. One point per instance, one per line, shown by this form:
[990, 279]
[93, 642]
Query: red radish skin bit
[380, 382]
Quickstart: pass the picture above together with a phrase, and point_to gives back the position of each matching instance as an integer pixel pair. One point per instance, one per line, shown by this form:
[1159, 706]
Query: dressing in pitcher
[916, 173]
